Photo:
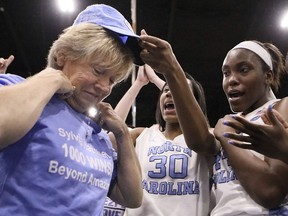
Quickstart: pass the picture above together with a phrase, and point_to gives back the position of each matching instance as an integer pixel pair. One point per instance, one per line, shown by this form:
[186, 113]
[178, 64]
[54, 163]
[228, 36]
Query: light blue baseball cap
[109, 18]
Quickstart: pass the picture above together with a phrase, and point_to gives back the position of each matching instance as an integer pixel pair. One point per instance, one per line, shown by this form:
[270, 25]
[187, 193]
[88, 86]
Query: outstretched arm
[159, 55]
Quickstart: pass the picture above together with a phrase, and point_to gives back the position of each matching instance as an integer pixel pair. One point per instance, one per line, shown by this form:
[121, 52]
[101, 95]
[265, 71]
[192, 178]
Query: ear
[269, 76]
[60, 59]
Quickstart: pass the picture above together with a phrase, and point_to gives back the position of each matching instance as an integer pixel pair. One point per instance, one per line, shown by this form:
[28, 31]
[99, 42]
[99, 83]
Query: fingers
[103, 112]
[68, 94]
[9, 60]
[243, 146]
[239, 137]
[149, 72]
[265, 118]
[236, 125]
[276, 118]
[244, 126]
[143, 32]
[2, 61]
[241, 141]
[6, 62]
[150, 42]
[271, 117]
[140, 71]
[148, 68]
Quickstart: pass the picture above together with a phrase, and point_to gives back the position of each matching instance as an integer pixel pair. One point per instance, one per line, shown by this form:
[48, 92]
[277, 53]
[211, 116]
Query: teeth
[169, 106]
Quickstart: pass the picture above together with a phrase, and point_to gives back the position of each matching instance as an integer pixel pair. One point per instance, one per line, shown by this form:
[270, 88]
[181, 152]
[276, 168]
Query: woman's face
[92, 83]
[167, 106]
[244, 81]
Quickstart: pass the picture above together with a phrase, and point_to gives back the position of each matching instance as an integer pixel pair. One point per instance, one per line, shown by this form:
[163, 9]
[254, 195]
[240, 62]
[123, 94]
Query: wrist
[139, 84]
[121, 132]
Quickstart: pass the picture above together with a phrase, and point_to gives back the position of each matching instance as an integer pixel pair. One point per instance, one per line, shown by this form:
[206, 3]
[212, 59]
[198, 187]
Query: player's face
[92, 83]
[167, 105]
[244, 81]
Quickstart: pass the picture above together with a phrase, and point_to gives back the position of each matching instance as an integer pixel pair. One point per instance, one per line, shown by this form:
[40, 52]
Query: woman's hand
[4, 63]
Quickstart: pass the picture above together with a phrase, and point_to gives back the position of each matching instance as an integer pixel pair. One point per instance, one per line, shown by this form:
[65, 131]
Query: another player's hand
[158, 54]
[142, 76]
[4, 63]
[269, 139]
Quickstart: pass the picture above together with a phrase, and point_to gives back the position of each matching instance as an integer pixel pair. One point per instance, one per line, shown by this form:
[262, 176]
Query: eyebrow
[237, 65]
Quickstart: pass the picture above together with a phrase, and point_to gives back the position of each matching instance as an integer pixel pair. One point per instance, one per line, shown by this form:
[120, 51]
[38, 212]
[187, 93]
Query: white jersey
[231, 198]
[175, 179]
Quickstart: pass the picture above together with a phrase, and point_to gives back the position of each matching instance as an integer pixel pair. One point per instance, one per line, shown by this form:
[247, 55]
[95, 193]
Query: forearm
[251, 170]
[159, 55]
[21, 106]
[129, 172]
[124, 105]
[157, 81]
[192, 120]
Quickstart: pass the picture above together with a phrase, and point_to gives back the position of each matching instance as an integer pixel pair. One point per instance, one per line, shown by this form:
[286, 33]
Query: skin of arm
[127, 191]
[123, 106]
[159, 55]
[23, 103]
[123, 196]
[269, 175]
[144, 75]
[153, 78]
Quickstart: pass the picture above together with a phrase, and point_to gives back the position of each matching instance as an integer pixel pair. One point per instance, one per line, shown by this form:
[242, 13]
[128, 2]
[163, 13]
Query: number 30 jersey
[175, 179]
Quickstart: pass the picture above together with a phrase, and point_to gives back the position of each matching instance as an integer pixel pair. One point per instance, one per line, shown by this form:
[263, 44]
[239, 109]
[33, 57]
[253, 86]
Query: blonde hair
[89, 41]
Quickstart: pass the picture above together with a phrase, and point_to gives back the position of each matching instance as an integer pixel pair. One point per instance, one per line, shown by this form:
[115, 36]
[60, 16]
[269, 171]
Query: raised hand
[158, 54]
[4, 63]
[142, 76]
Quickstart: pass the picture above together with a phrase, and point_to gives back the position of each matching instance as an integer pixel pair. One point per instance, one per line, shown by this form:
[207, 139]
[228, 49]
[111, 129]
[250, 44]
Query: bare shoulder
[135, 132]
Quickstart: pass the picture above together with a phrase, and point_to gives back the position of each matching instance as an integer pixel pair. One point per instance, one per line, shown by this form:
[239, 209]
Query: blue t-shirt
[62, 166]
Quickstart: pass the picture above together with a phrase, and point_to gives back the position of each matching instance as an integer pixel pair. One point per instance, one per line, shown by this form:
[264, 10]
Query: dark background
[200, 32]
